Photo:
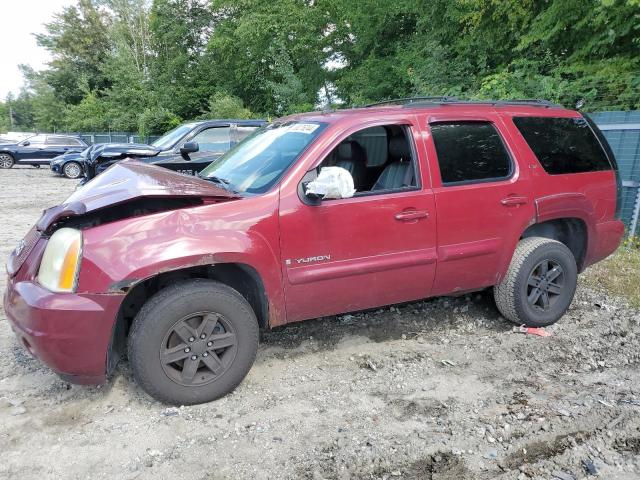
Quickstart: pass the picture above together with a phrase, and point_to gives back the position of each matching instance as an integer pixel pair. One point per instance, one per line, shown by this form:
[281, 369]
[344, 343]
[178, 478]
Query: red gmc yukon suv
[316, 214]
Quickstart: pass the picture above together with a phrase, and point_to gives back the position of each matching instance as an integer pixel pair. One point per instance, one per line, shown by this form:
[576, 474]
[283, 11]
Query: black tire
[72, 170]
[154, 335]
[538, 265]
[6, 160]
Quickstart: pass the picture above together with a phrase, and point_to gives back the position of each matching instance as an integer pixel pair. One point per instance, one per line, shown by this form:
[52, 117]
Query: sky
[20, 19]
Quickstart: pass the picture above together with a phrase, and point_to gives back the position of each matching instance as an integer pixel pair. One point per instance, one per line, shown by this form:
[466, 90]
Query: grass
[619, 274]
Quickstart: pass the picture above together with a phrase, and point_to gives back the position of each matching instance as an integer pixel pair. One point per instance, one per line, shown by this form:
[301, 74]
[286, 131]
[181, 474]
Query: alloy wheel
[72, 170]
[198, 349]
[6, 161]
[545, 284]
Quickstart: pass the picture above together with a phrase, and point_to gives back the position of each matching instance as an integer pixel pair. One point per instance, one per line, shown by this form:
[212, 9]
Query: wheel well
[570, 231]
[240, 277]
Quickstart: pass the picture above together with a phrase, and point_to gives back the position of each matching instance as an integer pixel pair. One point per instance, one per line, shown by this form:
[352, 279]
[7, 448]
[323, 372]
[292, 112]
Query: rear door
[57, 145]
[483, 199]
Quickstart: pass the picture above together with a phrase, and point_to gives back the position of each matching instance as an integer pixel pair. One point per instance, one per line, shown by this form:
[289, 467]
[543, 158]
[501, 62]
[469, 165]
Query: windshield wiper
[223, 182]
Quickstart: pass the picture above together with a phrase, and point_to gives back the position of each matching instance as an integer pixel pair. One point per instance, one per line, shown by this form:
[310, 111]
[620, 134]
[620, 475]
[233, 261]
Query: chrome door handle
[512, 201]
[409, 215]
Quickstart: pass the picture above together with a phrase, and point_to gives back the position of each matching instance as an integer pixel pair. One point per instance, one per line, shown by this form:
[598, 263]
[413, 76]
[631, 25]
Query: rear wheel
[72, 170]
[6, 160]
[540, 283]
[193, 342]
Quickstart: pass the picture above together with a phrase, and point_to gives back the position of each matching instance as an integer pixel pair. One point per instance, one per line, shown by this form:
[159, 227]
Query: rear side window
[61, 141]
[243, 132]
[563, 145]
[214, 139]
[470, 152]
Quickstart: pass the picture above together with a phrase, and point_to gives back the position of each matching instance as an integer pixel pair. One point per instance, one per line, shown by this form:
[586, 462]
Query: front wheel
[72, 170]
[193, 342]
[6, 160]
[540, 283]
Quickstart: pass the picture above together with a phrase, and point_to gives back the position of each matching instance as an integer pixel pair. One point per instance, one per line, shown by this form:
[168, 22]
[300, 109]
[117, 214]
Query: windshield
[170, 138]
[260, 160]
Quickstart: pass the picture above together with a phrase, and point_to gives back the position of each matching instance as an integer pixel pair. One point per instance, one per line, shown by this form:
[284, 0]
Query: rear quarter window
[563, 145]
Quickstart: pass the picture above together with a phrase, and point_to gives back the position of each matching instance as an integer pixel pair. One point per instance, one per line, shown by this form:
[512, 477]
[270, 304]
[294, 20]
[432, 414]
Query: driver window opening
[380, 159]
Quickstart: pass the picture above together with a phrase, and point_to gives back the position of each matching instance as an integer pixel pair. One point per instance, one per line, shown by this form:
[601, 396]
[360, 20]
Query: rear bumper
[69, 333]
[607, 238]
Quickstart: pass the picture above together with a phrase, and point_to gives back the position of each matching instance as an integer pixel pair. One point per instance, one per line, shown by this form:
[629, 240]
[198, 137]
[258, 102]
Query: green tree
[88, 115]
[156, 120]
[79, 40]
[272, 53]
[182, 76]
[5, 120]
[222, 105]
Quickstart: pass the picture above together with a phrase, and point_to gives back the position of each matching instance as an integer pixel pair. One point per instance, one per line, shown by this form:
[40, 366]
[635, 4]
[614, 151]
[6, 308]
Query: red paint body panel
[477, 232]
[203, 235]
[369, 248]
[313, 260]
[68, 332]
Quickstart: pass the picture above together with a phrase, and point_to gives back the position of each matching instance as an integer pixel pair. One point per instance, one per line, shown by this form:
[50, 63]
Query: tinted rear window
[563, 145]
[470, 152]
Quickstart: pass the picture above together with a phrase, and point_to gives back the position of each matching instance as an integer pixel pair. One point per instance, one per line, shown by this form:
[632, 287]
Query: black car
[71, 164]
[186, 149]
[38, 149]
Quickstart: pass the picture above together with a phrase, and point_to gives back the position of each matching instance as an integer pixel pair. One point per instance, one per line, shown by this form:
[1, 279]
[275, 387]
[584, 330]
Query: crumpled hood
[129, 180]
[121, 150]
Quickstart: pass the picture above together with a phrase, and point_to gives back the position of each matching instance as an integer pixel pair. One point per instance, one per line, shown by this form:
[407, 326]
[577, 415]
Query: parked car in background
[38, 149]
[187, 149]
[316, 214]
[71, 164]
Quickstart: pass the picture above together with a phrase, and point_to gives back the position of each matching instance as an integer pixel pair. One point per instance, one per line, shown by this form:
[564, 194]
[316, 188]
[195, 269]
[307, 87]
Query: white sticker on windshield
[303, 127]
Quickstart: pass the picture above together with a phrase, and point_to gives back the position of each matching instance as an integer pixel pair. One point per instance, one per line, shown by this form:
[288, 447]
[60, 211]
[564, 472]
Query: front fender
[129, 251]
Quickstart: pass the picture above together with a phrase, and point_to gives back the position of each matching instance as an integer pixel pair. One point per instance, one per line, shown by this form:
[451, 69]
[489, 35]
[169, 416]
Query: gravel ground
[440, 389]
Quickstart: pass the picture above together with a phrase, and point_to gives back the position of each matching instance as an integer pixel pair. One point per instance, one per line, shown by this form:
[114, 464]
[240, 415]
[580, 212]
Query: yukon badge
[317, 258]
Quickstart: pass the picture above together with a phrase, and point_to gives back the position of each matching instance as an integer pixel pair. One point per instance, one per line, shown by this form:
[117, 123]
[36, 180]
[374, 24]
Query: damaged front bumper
[70, 333]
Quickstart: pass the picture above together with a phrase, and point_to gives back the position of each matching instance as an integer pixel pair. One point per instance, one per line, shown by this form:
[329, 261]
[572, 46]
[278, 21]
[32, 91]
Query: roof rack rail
[445, 100]
[498, 103]
[410, 100]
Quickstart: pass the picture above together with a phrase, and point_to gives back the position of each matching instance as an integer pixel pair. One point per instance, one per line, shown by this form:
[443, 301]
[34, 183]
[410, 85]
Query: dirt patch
[628, 445]
[533, 452]
[440, 466]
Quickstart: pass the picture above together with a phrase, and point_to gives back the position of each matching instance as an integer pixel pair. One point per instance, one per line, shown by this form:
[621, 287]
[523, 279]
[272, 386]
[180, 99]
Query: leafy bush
[222, 105]
[156, 120]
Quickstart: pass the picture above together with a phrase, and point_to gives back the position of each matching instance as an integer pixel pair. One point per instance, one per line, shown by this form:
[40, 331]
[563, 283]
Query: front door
[32, 150]
[374, 249]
